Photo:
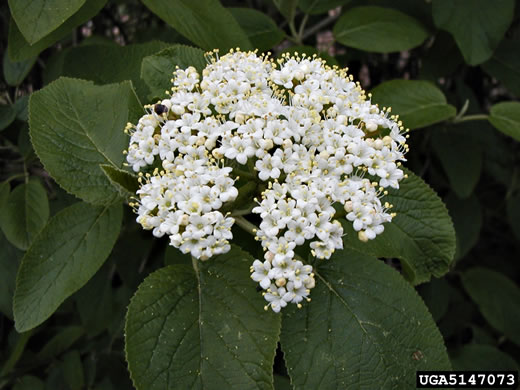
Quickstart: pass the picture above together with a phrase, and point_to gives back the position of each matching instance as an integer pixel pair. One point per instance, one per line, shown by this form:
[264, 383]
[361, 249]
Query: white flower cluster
[307, 130]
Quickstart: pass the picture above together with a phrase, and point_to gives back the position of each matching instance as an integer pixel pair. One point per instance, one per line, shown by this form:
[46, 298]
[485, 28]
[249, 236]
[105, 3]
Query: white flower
[313, 139]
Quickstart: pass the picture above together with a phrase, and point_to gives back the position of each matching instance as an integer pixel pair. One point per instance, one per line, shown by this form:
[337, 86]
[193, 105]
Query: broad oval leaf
[364, 328]
[19, 49]
[201, 330]
[201, 22]
[460, 155]
[157, 69]
[75, 126]
[418, 103]
[316, 7]
[15, 72]
[287, 8]
[62, 258]
[506, 118]
[377, 29]
[9, 261]
[497, 297]
[467, 219]
[477, 26]
[421, 235]
[260, 29]
[25, 213]
[505, 65]
[37, 18]
[119, 63]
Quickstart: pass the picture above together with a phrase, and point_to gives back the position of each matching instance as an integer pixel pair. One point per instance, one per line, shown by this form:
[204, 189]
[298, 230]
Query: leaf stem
[475, 117]
[16, 353]
[318, 26]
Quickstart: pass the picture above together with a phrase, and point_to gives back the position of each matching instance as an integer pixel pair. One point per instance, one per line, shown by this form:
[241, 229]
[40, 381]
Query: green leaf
[125, 182]
[316, 7]
[436, 295]
[7, 116]
[461, 157]
[18, 47]
[203, 329]
[475, 357]
[21, 106]
[506, 118]
[497, 297]
[467, 218]
[287, 8]
[60, 343]
[260, 29]
[29, 382]
[505, 65]
[157, 69]
[37, 18]
[418, 103]
[421, 235]
[377, 29]
[15, 72]
[364, 328]
[9, 261]
[477, 26]
[76, 126]
[206, 23]
[119, 63]
[25, 213]
[173, 256]
[64, 256]
[73, 370]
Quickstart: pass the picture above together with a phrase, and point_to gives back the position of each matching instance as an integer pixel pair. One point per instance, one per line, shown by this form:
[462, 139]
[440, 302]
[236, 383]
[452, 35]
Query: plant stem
[318, 26]
[16, 353]
[246, 225]
[475, 117]
[302, 28]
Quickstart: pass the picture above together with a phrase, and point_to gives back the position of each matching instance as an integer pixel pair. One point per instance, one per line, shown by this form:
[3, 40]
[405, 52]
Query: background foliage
[75, 256]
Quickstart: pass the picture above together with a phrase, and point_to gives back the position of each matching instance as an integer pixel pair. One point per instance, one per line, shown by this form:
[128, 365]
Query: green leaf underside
[505, 65]
[15, 72]
[76, 126]
[421, 235]
[7, 116]
[506, 118]
[18, 47]
[418, 103]
[37, 18]
[63, 257]
[119, 63]
[477, 26]
[157, 69]
[201, 22]
[187, 330]
[377, 29]
[460, 156]
[497, 297]
[125, 182]
[260, 29]
[316, 7]
[25, 213]
[364, 328]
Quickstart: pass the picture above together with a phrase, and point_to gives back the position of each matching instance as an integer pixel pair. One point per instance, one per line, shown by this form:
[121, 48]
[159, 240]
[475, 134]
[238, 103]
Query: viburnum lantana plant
[308, 131]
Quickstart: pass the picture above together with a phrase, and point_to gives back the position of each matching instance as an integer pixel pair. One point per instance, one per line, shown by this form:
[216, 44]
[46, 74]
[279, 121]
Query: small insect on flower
[307, 133]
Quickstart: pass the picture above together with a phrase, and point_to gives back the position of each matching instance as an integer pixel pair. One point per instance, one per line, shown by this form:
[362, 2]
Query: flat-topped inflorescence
[307, 130]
